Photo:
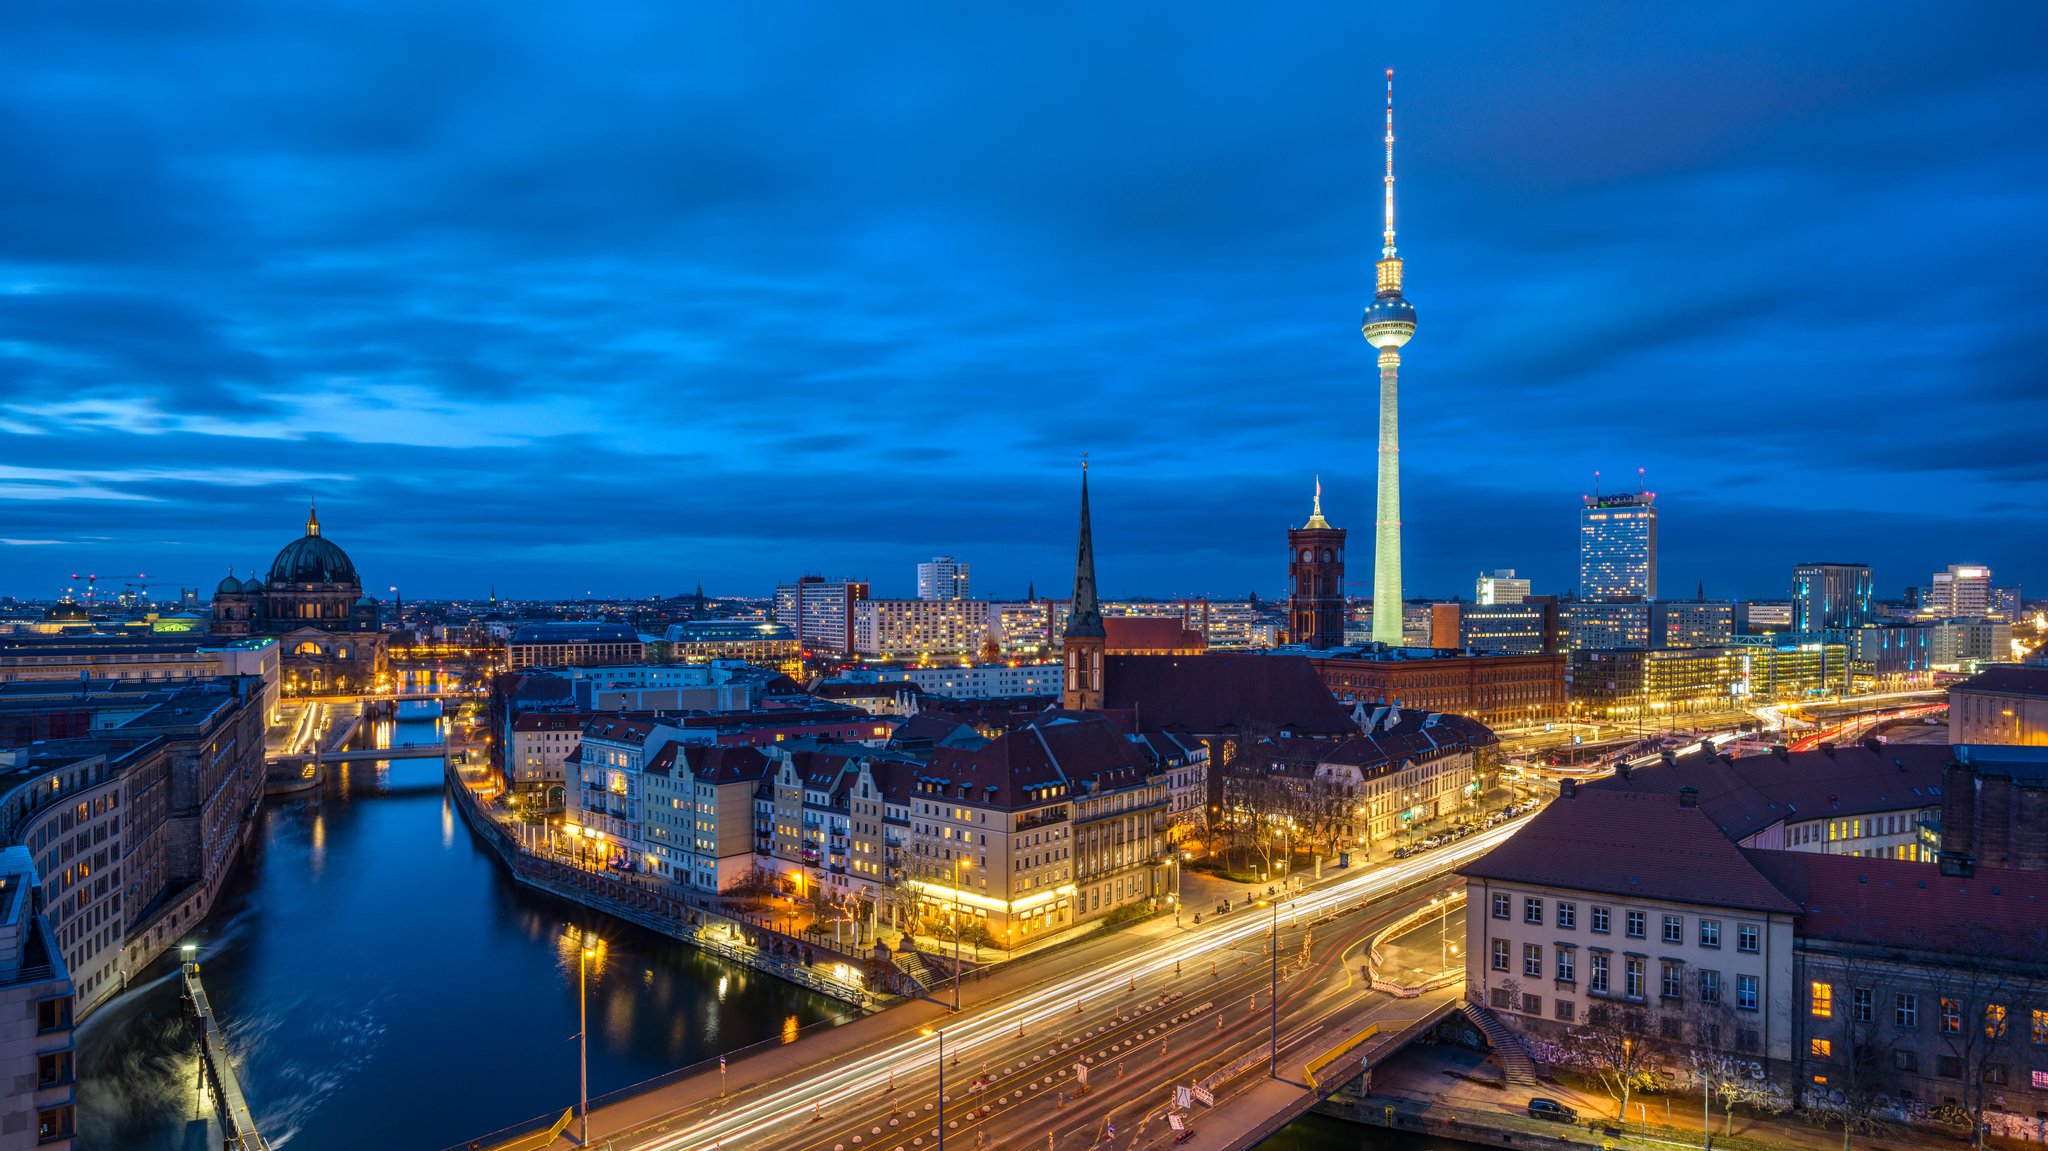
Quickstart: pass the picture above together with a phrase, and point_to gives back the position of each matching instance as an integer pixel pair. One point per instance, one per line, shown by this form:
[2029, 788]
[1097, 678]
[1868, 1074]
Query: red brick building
[1496, 690]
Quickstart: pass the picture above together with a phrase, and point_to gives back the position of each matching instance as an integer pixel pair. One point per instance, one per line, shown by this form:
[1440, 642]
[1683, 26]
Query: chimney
[1874, 744]
[1622, 769]
[1957, 864]
[1782, 752]
[1668, 756]
[1568, 789]
[1688, 797]
[1827, 748]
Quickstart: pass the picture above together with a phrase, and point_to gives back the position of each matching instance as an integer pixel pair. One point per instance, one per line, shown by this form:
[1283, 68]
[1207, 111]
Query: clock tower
[1315, 580]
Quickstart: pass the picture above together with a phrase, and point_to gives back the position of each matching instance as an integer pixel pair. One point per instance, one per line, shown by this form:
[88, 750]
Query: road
[1163, 1010]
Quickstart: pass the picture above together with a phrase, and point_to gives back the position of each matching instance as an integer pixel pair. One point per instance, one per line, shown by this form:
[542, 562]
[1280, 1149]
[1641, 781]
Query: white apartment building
[1962, 590]
[942, 578]
[1500, 586]
[1574, 918]
[537, 752]
[920, 627]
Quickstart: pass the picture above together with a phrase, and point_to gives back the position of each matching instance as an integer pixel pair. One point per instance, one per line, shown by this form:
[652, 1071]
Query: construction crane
[91, 583]
[138, 587]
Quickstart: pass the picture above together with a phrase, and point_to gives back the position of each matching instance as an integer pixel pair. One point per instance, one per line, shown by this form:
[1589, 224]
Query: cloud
[716, 293]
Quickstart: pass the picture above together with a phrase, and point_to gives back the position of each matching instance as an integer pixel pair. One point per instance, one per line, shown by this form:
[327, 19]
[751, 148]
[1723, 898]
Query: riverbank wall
[842, 977]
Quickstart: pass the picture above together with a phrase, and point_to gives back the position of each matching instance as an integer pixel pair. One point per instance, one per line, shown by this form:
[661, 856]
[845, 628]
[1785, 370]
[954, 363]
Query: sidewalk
[1435, 1088]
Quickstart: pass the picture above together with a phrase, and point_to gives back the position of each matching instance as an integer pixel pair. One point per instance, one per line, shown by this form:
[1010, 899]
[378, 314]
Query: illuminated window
[1820, 1048]
[1823, 1001]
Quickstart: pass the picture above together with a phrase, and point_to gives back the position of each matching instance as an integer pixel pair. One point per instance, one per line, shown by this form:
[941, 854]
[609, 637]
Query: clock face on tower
[1308, 555]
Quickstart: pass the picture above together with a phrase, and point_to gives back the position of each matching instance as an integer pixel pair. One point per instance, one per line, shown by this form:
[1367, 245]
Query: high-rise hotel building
[1618, 547]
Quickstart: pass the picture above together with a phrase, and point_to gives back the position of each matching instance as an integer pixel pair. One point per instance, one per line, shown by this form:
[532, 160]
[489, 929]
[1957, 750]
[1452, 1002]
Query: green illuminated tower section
[1389, 322]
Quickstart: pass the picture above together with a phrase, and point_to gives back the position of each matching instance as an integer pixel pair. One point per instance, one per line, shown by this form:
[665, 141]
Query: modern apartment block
[942, 577]
[820, 612]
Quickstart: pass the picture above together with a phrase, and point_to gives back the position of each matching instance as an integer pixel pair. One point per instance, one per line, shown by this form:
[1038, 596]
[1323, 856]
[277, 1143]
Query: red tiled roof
[1210, 694]
[1746, 795]
[1071, 753]
[1628, 844]
[1891, 902]
[1149, 633]
[2008, 680]
[551, 721]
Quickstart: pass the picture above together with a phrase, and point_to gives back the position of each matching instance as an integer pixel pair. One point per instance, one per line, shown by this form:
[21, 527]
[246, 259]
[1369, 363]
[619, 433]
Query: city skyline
[562, 360]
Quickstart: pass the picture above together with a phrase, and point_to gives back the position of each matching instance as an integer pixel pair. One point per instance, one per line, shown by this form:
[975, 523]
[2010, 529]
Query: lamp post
[585, 954]
[959, 910]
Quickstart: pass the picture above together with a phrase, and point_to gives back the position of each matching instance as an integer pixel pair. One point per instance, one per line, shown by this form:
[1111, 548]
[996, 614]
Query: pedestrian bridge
[238, 1124]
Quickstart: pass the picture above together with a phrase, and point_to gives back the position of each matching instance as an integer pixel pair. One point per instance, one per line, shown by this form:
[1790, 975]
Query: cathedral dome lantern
[313, 559]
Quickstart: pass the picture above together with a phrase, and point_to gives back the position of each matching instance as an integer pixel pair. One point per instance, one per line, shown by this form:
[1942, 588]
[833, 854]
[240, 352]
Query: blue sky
[616, 298]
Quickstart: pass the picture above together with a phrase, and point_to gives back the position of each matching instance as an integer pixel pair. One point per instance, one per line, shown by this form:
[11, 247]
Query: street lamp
[958, 911]
[586, 953]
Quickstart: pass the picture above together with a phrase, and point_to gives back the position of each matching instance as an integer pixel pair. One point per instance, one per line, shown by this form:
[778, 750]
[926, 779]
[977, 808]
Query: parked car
[1432, 841]
[1541, 1108]
[1403, 852]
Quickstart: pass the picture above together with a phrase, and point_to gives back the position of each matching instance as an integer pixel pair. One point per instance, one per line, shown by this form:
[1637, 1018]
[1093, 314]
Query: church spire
[1084, 614]
[312, 518]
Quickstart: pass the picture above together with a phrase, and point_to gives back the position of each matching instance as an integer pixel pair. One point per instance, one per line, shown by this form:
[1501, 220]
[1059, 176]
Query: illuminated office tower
[1618, 546]
[1389, 323]
[1830, 597]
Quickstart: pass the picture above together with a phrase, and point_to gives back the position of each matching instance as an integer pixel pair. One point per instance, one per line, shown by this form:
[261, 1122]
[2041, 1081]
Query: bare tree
[1620, 1043]
[1855, 1096]
[1974, 988]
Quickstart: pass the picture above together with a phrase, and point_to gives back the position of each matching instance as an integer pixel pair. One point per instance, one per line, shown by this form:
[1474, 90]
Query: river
[385, 984]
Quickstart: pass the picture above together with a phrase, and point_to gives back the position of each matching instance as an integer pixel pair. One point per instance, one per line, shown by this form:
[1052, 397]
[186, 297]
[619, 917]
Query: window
[1567, 914]
[1564, 1011]
[1994, 1021]
[1674, 929]
[1710, 933]
[1908, 1011]
[2040, 1026]
[53, 1014]
[1948, 1067]
[1670, 1028]
[1532, 960]
[1532, 910]
[1500, 955]
[1598, 980]
[1951, 1017]
[1995, 1074]
[1745, 992]
[1905, 1060]
[1503, 998]
[55, 1123]
[1671, 984]
[53, 1070]
[1820, 1048]
[1823, 1001]
[1747, 938]
[1533, 1004]
[1710, 987]
[1601, 919]
[1862, 1004]
[1746, 1040]
[1637, 980]
[1568, 968]
[1635, 925]
[1500, 905]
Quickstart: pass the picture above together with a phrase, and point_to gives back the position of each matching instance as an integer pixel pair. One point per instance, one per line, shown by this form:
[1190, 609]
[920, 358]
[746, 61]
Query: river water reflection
[384, 984]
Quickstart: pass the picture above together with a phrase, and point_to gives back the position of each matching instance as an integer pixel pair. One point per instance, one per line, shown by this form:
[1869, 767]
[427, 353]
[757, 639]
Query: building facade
[1496, 690]
[1618, 547]
[820, 612]
[1500, 586]
[943, 577]
[1830, 597]
[1963, 590]
[573, 645]
[2000, 705]
[1604, 624]
[1691, 623]
[920, 627]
